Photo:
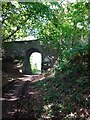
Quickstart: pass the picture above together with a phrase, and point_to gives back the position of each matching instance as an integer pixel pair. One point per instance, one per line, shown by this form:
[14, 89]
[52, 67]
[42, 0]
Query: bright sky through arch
[36, 59]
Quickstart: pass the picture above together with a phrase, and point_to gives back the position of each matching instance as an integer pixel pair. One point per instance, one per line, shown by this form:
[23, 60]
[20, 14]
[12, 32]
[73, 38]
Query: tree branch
[11, 34]
[18, 27]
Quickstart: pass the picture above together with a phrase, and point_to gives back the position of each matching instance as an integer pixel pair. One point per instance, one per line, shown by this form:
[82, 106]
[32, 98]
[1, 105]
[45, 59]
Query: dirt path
[21, 100]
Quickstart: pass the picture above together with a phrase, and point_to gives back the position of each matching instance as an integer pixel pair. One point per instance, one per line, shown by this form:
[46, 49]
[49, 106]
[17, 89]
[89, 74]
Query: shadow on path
[20, 100]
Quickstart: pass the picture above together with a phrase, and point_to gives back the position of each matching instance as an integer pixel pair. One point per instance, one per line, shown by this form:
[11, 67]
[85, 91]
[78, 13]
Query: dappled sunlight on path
[32, 78]
[20, 99]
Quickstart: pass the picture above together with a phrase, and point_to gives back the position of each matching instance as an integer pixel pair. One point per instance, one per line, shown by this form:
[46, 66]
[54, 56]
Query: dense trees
[18, 19]
[51, 21]
[62, 25]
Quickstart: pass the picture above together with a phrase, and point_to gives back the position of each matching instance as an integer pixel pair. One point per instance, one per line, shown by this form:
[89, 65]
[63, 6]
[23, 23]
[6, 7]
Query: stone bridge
[23, 51]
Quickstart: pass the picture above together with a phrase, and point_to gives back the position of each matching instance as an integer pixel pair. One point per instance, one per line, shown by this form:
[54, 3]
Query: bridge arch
[23, 50]
[26, 62]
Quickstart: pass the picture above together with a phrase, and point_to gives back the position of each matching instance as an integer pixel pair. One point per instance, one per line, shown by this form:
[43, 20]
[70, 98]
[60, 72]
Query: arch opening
[36, 62]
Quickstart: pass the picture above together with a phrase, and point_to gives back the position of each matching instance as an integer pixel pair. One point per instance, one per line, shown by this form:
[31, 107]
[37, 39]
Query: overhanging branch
[18, 27]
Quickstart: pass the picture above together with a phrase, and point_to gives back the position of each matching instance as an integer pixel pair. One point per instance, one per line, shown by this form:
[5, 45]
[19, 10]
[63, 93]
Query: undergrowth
[66, 95]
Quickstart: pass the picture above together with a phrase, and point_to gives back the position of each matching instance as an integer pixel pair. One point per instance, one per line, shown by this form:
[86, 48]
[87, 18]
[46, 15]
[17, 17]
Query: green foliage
[72, 57]
[19, 19]
[60, 27]
[35, 69]
[82, 81]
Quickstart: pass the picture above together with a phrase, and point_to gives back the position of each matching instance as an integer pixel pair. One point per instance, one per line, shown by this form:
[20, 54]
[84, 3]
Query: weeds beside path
[37, 97]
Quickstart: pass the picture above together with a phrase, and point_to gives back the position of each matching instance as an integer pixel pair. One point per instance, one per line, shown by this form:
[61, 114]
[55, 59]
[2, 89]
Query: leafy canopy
[60, 25]
[51, 20]
[20, 19]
